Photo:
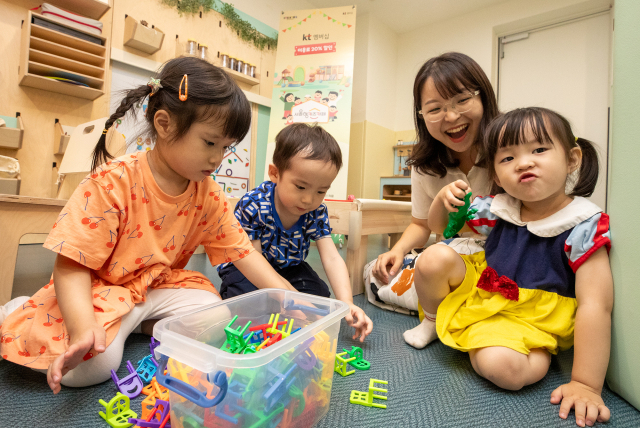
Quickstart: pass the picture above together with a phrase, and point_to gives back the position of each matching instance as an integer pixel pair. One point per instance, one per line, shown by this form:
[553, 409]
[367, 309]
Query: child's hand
[92, 336]
[452, 195]
[587, 402]
[362, 323]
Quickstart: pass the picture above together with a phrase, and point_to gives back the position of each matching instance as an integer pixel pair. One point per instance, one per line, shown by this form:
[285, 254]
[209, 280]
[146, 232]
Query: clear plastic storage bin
[287, 384]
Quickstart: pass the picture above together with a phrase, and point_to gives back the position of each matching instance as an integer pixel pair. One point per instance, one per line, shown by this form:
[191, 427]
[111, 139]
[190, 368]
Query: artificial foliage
[190, 6]
[244, 29]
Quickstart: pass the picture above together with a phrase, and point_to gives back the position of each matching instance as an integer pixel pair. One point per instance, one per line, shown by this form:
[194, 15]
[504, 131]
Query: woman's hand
[387, 265]
[587, 402]
[453, 195]
[87, 337]
[357, 319]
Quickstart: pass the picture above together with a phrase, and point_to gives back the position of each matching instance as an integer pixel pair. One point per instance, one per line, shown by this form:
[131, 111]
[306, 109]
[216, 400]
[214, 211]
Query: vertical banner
[313, 78]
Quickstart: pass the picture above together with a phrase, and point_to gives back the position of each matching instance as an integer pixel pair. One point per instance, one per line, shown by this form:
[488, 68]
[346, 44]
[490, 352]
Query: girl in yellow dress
[543, 282]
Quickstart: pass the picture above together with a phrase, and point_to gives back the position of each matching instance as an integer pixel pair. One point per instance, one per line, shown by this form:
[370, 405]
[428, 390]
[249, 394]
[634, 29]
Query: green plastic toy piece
[366, 398]
[295, 393]
[117, 411]
[459, 218]
[341, 364]
[235, 342]
[359, 363]
[265, 419]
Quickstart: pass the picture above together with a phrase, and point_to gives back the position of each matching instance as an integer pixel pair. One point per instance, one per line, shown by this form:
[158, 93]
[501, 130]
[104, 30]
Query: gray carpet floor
[433, 387]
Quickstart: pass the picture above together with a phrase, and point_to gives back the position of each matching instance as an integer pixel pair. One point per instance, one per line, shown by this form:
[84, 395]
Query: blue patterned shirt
[256, 212]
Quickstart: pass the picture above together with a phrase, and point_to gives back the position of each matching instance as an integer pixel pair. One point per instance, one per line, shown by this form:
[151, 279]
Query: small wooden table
[358, 220]
[20, 215]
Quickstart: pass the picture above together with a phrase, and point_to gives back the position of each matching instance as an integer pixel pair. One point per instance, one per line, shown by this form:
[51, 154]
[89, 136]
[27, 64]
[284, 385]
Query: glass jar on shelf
[192, 47]
[203, 53]
[245, 68]
[239, 66]
[252, 70]
[224, 60]
[232, 63]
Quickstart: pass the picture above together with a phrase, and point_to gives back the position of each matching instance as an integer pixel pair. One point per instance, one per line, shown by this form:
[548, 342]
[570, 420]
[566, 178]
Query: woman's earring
[181, 95]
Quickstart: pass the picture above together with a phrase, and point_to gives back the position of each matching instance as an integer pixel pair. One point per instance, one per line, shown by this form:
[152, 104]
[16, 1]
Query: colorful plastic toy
[366, 398]
[131, 385]
[147, 368]
[359, 363]
[341, 364]
[235, 342]
[158, 418]
[459, 218]
[154, 344]
[274, 329]
[278, 386]
[117, 411]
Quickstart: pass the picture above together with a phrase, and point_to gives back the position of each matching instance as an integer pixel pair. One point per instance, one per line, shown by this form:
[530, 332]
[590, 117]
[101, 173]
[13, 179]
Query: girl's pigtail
[100, 153]
[589, 169]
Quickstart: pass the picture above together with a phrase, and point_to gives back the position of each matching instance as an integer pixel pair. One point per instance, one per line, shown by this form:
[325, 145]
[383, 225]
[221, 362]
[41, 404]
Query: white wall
[374, 75]
[269, 12]
[471, 34]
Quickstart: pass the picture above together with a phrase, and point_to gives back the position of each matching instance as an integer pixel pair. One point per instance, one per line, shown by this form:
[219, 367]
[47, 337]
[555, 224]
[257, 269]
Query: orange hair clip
[183, 96]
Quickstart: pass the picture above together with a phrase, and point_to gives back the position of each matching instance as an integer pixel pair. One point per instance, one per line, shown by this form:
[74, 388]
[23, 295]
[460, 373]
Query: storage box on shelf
[143, 38]
[90, 8]
[60, 139]
[47, 53]
[11, 136]
[10, 186]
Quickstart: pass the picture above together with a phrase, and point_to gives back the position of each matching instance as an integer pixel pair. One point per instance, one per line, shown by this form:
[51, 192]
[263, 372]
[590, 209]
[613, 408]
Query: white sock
[12, 306]
[423, 334]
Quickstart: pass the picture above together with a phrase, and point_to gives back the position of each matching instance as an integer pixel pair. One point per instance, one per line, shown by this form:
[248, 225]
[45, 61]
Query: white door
[564, 68]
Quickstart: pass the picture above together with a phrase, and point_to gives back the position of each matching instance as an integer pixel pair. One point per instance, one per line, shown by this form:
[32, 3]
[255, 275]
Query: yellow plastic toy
[341, 364]
[117, 411]
[366, 398]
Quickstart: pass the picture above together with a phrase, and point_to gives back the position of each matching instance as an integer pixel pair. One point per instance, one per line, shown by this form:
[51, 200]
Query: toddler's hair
[311, 141]
[509, 130]
[450, 72]
[212, 95]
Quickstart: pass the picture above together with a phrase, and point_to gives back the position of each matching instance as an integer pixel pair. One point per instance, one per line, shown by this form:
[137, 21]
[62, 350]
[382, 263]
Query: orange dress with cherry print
[133, 237]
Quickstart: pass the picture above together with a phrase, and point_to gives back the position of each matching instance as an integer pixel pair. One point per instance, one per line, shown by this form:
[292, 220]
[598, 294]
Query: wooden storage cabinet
[45, 52]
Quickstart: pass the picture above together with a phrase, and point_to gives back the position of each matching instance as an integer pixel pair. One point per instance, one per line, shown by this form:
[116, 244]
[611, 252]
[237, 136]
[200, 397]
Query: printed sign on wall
[313, 79]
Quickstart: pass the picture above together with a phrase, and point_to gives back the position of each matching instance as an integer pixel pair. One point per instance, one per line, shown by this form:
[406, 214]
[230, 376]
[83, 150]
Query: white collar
[508, 208]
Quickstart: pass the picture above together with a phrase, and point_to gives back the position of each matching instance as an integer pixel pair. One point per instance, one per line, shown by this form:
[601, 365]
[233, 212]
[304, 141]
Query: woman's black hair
[212, 95]
[510, 129]
[449, 72]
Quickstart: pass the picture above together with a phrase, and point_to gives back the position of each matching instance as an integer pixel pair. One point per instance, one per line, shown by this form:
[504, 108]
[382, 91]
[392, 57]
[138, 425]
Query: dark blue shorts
[301, 276]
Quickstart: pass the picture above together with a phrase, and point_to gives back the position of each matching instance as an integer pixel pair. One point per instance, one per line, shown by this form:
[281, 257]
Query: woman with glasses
[453, 105]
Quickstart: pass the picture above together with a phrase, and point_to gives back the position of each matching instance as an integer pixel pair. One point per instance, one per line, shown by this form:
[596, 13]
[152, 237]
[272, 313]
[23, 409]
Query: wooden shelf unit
[241, 77]
[45, 52]
[90, 8]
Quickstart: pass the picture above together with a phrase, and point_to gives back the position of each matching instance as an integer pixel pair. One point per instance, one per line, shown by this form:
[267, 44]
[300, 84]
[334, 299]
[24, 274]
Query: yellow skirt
[471, 318]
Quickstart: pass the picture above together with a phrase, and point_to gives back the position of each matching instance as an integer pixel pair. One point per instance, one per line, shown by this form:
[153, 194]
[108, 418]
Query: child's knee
[502, 366]
[437, 260]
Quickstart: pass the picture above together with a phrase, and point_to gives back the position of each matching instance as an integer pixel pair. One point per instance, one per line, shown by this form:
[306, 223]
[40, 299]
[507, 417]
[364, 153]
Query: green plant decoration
[244, 29]
[190, 6]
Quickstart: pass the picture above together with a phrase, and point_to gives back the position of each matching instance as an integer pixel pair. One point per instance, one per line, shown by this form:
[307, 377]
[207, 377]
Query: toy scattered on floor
[459, 218]
[366, 398]
[341, 364]
[147, 368]
[131, 385]
[154, 344]
[117, 411]
[157, 418]
[359, 363]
